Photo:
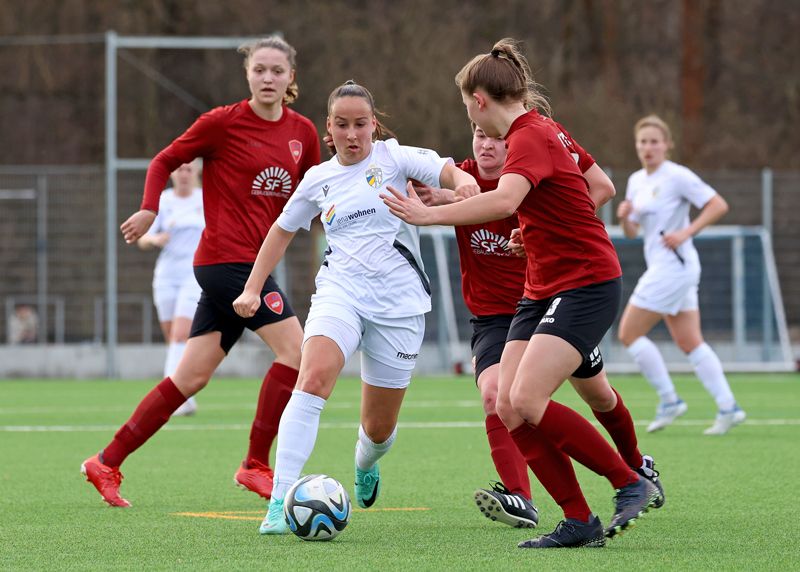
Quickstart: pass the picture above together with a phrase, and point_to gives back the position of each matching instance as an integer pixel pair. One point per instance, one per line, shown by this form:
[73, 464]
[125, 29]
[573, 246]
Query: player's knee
[625, 338]
[505, 411]
[378, 430]
[288, 355]
[489, 399]
[315, 381]
[528, 407]
[190, 382]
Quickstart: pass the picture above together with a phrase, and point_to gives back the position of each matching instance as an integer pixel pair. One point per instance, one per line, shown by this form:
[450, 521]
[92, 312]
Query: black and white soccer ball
[317, 507]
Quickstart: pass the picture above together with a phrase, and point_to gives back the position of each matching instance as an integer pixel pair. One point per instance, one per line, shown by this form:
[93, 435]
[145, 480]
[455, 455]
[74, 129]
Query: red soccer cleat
[257, 478]
[105, 479]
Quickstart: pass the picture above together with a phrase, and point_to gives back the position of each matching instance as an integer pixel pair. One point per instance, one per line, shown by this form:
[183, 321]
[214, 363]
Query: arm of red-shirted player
[498, 204]
[601, 189]
[270, 253]
[199, 140]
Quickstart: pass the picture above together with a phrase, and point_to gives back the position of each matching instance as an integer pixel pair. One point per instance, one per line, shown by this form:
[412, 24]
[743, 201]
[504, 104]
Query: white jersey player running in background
[176, 231]
[372, 292]
[657, 200]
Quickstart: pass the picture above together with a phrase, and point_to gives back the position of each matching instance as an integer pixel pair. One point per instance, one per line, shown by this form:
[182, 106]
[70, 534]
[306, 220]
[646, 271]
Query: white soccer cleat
[725, 421]
[666, 413]
[188, 408]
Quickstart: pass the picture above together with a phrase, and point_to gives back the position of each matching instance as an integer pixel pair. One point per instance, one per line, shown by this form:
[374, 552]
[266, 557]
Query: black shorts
[488, 340]
[222, 284]
[581, 317]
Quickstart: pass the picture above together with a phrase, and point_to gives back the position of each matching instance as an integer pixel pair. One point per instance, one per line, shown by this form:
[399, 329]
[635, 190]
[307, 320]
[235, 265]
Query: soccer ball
[317, 507]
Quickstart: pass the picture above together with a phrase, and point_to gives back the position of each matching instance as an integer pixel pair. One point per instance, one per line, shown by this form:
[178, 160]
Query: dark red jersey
[567, 245]
[251, 167]
[492, 278]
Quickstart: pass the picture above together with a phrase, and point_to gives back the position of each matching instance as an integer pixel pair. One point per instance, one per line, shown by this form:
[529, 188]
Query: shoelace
[567, 527]
[367, 479]
[499, 487]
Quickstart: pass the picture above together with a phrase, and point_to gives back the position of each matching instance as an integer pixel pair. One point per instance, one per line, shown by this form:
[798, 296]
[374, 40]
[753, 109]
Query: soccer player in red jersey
[493, 281]
[254, 153]
[572, 296]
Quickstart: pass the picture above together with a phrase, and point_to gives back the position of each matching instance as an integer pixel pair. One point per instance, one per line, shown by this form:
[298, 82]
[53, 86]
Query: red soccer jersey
[492, 279]
[567, 245]
[251, 166]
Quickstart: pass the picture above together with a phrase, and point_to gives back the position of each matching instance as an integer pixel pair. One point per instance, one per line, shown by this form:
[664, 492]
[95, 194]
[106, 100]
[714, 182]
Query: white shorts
[389, 346]
[667, 293]
[176, 300]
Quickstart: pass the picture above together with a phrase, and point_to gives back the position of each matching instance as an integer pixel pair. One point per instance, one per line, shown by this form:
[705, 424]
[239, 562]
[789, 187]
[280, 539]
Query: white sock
[646, 355]
[709, 369]
[367, 452]
[174, 353]
[297, 433]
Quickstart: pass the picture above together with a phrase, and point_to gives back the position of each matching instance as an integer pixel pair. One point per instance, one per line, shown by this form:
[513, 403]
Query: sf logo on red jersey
[272, 182]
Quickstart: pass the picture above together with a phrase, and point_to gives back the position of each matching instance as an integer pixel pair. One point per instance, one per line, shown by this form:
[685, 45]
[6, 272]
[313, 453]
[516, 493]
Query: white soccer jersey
[661, 202]
[373, 258]
[182, 218]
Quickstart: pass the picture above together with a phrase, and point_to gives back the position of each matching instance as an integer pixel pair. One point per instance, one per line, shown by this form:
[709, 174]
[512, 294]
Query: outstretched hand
[408, 208]
[137, 224]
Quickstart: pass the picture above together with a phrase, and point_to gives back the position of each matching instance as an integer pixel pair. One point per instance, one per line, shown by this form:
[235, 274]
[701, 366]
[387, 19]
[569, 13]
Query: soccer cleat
[275, 521]
[631, 502]
[501, 505]
[368, 486]
[105, 479]
[726, 420]
[570, 533]
[648, 471]
[666, 413]
[187, 408]
[257, 478]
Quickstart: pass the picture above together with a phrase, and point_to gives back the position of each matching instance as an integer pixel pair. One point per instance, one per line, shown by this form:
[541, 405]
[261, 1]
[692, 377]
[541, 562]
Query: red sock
[575, 436]
[508, 461]
[619, 425]
[148, 417]
[553, 469]
[276, 389]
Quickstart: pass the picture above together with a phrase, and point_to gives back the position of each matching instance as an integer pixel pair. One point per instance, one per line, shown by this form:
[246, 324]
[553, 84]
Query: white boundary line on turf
[351, 426]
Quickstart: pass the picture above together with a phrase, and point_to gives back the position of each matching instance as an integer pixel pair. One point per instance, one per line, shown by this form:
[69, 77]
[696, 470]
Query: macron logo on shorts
[274, 302]
[403, 355]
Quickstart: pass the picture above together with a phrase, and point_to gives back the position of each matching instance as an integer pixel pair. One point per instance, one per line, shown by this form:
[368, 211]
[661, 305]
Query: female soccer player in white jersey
[372, 292]
[657, 201]
[176, 231]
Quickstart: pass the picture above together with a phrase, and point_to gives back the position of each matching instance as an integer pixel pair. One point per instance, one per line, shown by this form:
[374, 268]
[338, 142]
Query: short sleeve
[695, 190]
[424, 165]
[529, 155]
[581, 155]
[301, 208]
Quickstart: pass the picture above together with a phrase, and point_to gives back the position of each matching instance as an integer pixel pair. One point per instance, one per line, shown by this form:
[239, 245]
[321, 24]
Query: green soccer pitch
[730, 500]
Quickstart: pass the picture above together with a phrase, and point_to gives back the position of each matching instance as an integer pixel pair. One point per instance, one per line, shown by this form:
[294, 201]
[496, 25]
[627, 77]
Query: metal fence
[53, 231]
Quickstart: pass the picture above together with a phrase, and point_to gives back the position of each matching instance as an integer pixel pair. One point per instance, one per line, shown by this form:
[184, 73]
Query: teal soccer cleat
[368, 486]
[275, 521]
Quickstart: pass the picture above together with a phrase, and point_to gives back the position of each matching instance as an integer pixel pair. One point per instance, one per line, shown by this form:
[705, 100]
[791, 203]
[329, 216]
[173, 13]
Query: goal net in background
[740, 302]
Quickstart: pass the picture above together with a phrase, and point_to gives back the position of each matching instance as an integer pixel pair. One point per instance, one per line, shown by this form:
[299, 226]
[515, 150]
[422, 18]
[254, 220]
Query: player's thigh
[635, 323]
[181, 327]
[684, 327]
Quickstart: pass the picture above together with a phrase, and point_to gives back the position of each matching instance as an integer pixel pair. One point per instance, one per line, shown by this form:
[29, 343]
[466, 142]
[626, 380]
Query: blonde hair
[505, 75]
[276, 43]
[654, 120]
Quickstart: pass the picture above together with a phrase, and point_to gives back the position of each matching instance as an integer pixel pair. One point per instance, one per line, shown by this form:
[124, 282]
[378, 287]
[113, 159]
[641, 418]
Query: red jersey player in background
[254, 153]
[493, 282]
[572, 296]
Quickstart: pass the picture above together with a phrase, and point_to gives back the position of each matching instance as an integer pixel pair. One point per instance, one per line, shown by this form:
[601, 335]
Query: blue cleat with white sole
[275, 521]
[368, 486]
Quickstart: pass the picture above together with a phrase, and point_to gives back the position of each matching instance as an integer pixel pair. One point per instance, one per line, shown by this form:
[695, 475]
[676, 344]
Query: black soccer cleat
[501, 505]
[570, 533]
[648, 471]
[631, 502]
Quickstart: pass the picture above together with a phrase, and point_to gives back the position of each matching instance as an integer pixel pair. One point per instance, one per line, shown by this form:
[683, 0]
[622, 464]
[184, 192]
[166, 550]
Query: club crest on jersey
[330, 215]
[296, 148]
[274, 302]
[374, 177]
